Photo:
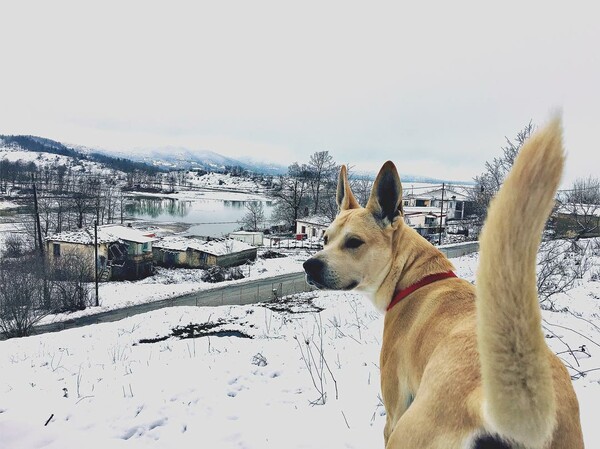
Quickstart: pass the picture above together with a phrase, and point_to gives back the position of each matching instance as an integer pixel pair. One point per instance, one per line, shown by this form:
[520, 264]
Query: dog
[462, 366]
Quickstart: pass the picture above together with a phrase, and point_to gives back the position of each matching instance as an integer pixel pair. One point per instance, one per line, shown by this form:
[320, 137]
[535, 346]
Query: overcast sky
[433, 86]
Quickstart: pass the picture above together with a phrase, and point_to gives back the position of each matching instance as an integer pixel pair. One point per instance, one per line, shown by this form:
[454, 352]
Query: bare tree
[291, 196]
[488, 183]
[22, 291]
[361, 187]
[321, 170]
[254, 218]
[71, 288]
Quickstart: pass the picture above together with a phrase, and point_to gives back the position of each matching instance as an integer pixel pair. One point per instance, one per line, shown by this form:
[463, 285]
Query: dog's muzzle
[314, 269]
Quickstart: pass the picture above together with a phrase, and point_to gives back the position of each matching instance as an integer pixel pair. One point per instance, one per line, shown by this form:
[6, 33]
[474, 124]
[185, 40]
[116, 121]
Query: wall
[459, 249]
[230, 260]
[84, 251]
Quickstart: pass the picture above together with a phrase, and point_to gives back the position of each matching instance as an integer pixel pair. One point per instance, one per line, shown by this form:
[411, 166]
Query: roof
[218, 247]
[437, 194]
[580, 209]
[106, 234]
[412, 210]
[319, 220]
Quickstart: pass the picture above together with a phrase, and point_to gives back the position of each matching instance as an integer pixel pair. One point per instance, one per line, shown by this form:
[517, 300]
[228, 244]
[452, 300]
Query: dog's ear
[385, 202]
[344, 196]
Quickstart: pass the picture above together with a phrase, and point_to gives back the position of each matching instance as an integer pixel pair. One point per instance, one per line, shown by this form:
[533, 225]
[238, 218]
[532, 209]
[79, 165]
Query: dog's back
[522, 380]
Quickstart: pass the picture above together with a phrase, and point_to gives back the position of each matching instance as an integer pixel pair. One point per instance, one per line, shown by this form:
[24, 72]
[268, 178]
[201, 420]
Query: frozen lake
[212, 217]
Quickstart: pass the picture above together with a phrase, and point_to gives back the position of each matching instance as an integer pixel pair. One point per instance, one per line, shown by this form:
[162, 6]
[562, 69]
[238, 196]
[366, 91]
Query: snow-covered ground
[100, 386]
[223, 181]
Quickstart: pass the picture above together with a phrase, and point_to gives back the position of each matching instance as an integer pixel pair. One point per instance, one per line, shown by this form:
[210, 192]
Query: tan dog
[461, 366]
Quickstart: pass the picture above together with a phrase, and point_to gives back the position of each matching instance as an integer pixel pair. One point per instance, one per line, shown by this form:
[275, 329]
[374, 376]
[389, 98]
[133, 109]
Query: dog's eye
[325, 240]
[353, 243]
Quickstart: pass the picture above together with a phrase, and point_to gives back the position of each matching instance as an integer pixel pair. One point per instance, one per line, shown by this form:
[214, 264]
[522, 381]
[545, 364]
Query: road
[250, 292]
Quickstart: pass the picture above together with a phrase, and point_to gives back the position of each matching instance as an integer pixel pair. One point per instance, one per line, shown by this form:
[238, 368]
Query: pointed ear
[344, 196]
[385, 202]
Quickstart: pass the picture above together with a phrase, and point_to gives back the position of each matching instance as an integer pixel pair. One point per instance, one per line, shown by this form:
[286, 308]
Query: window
[146, 247]
[56, 250]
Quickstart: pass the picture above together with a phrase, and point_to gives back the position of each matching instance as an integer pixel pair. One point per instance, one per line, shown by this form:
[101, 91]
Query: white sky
[434, 86]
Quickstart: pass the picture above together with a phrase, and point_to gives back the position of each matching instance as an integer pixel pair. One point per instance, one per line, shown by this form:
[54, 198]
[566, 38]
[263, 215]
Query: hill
[37, 144]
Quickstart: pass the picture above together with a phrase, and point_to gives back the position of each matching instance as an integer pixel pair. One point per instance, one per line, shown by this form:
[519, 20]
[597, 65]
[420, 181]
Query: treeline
[310, 189]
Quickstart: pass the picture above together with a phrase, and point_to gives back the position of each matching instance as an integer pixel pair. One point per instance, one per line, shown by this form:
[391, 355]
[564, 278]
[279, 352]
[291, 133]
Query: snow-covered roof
[218, 247]
[226, 246]
[319, 220]
[580, 209]
[437, 194]
[413, 210]
[128, 234]
[106, 234]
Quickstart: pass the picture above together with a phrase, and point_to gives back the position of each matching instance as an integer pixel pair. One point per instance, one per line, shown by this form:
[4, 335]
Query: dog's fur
[461, 366]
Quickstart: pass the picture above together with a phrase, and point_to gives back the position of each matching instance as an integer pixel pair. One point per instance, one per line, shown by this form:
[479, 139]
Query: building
[124, 253]
[249, 237]
[425, 220]
[455, 202]
[313, 226]
[192, 252]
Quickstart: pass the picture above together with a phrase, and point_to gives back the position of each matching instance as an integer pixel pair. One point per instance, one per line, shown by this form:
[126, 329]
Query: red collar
[399, 296]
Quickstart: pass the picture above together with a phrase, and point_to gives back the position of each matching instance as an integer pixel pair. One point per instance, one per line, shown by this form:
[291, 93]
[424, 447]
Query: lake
[208, 217]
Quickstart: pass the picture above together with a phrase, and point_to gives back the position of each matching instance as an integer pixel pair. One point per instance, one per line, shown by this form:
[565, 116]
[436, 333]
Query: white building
[249, 237]
[313, 226]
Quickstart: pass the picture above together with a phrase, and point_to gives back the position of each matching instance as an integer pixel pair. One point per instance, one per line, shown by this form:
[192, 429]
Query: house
[313, 226]
[425, 220]
[252, 238]
[124, 253]
[455, 202]
[192, 252]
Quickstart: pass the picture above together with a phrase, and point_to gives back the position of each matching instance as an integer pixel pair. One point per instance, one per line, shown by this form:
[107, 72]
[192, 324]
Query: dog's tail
[516, 377]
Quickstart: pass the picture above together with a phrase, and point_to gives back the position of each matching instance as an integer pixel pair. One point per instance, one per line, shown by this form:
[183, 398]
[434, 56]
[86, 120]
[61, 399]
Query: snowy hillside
[259, 381]
[51, 160]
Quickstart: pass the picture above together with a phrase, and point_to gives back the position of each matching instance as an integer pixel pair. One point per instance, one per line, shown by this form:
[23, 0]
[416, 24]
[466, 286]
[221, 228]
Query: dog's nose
[313, 267]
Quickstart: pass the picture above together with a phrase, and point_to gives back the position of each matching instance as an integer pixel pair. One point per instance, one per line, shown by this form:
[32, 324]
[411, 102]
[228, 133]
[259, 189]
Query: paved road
[250, 292]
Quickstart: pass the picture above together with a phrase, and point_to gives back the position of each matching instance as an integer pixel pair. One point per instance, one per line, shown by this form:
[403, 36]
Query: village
[144, 305]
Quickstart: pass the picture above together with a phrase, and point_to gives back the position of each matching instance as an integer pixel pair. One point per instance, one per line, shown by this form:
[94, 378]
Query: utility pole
[40, 243]
[37, 218]
[96, 259]
[441, 214]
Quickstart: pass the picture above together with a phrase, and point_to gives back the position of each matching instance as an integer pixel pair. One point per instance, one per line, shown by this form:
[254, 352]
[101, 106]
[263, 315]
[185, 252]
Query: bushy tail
[517, 381]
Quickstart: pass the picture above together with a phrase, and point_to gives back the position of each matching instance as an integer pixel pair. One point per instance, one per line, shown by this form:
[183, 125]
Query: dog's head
[357, 251]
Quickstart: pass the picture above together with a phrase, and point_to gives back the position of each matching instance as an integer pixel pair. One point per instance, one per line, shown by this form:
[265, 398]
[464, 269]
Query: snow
[100, 385]
[106, 234]
[6, 204]
[216, 247]
[223, 181]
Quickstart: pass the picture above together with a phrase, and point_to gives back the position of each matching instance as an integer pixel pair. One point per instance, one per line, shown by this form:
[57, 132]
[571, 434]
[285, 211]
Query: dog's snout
[313, 266]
